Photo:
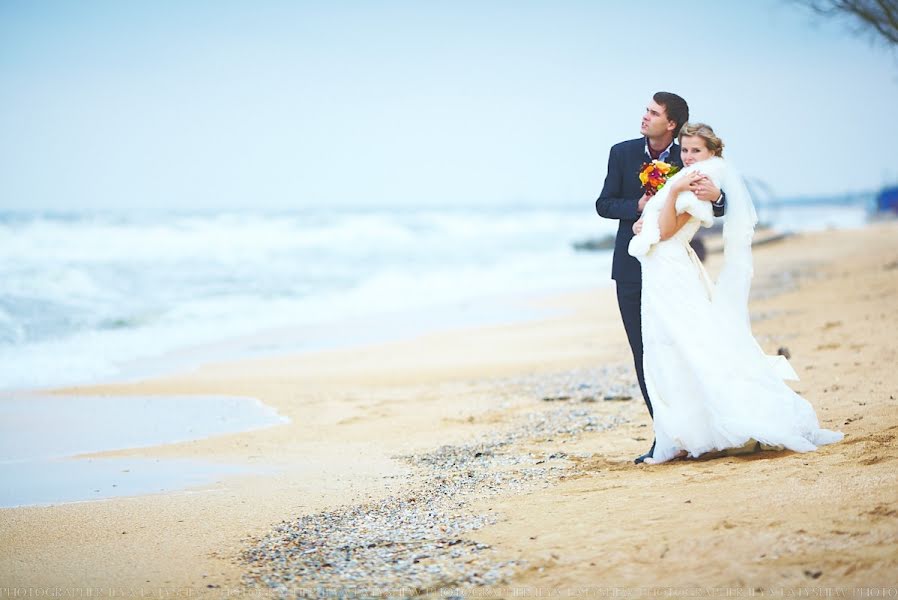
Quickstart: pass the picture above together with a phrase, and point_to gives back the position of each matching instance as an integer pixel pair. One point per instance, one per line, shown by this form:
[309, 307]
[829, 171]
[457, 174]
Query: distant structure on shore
[887, 199]
[786, 215]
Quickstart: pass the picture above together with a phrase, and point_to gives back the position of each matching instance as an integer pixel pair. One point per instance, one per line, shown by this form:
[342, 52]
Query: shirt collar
[664, 154]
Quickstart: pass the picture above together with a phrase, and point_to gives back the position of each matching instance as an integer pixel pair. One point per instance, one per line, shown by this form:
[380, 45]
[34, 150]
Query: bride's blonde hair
[714, 143]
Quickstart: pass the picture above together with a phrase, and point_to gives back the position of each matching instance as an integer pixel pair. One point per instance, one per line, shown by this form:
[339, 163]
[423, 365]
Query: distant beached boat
[887, 199]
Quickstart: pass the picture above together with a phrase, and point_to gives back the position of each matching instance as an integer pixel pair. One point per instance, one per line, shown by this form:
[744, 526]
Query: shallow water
[58, 481]
[41, 437]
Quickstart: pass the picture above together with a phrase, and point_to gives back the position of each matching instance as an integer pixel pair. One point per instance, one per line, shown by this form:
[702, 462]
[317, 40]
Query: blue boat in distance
[887, 199]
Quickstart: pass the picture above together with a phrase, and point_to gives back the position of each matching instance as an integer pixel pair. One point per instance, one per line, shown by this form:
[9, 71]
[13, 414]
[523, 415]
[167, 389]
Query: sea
[98, 297]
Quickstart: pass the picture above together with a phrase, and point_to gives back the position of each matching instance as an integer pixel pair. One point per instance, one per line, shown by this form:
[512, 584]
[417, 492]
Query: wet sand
[363, 421]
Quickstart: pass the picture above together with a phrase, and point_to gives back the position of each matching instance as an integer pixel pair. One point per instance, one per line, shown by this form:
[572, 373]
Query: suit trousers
[629, 300]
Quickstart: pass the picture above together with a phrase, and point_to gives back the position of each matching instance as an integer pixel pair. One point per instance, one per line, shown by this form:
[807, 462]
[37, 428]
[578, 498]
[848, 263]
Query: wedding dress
[710, 383]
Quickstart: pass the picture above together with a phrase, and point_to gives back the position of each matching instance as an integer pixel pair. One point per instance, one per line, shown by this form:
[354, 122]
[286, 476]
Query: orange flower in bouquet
[654, 175]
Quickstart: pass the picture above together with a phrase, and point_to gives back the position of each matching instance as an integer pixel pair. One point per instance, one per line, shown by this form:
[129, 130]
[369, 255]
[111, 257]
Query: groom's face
[655, 122]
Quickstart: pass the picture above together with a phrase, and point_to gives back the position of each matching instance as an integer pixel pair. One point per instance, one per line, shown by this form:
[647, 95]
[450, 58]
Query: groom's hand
[642, 202]
[705, 189]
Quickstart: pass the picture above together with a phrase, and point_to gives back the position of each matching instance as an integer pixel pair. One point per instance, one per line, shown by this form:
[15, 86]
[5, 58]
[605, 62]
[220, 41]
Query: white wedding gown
[710, 384]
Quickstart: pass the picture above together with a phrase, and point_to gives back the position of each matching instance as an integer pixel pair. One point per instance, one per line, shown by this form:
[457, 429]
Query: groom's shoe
[641, 459]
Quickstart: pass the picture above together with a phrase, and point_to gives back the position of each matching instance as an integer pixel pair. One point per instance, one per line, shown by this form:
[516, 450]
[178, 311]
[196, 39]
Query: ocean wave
[83, 295]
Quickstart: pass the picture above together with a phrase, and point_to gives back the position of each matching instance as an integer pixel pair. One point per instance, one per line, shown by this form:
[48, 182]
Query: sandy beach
[498, 461]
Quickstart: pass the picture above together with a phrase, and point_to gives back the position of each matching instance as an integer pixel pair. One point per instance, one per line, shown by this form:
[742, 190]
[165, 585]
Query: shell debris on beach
[422, 538]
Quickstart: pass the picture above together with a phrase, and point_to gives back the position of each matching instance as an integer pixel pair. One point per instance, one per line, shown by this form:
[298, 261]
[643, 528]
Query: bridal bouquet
[654, 175]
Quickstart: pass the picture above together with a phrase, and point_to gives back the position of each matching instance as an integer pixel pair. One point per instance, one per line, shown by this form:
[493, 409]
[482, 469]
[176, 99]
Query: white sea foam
[81, 297]
[88, 297]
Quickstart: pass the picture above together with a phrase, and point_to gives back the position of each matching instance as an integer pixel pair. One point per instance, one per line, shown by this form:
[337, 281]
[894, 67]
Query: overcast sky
[206, 105]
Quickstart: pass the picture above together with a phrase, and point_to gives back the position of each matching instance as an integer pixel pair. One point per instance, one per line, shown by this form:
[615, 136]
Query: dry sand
[772, 522]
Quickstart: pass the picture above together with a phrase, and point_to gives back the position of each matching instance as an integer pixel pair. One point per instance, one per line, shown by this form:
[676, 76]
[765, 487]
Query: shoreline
[353, 411]
[188, 289]
[353, 333]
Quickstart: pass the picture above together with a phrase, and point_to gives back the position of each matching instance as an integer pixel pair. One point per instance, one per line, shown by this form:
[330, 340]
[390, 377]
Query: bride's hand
[705, 189]
[637, 226]
[685, 182]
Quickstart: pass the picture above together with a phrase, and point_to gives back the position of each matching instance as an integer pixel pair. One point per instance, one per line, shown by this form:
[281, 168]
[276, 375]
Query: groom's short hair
[676, 107]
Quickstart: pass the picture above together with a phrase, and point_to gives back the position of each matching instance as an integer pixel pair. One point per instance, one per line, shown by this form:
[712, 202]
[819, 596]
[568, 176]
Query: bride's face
[693, 149]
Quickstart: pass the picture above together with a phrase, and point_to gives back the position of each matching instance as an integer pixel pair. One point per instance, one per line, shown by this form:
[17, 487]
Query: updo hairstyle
[714, 143]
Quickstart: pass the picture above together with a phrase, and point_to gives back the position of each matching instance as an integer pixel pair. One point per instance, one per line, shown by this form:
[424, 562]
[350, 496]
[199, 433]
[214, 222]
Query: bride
[711, 385]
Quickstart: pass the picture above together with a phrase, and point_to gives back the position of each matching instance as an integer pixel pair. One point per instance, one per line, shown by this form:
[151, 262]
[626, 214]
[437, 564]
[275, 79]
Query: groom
[623, 198]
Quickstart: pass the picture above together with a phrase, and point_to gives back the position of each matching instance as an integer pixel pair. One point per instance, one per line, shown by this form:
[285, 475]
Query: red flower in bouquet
[654, 175]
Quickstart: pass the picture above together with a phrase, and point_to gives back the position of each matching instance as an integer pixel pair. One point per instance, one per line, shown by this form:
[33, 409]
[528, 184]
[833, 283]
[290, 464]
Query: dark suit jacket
[620, 198]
